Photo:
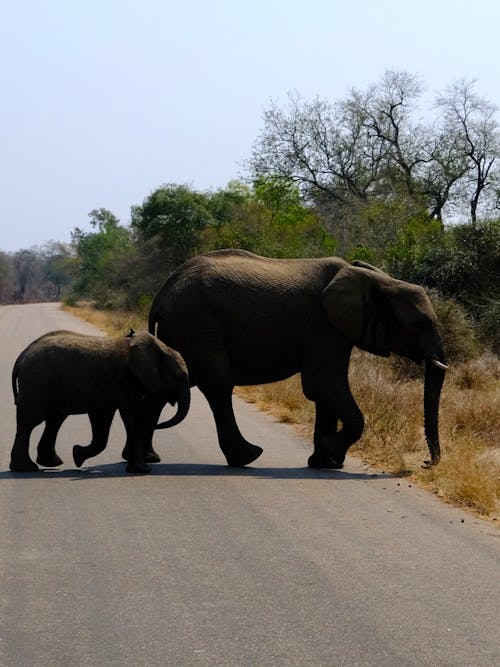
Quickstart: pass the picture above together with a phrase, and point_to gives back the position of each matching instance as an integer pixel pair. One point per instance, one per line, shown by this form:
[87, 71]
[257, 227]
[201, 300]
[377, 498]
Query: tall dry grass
[469, 471]
[392, 403]
[113, 322]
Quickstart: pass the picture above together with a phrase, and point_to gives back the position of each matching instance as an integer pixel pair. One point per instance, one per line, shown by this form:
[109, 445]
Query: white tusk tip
[437, 363]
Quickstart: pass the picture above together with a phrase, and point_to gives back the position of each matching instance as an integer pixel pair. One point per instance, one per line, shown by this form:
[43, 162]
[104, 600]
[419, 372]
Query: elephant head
[161, 372]
[380, 314]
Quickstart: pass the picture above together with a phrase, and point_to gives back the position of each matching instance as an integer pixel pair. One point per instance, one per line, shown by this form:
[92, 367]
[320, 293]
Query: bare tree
[24, 265]
[319, 146]
[5, 271]
[372, 146]
[471, 121]
[445, 169]
[389, 108]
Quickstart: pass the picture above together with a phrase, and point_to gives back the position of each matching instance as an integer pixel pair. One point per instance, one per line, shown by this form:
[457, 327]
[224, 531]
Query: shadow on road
[195, 470]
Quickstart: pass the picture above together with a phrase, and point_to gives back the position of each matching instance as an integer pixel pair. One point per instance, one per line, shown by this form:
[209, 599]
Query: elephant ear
[145, 362]
[355, 306]
[365, 265]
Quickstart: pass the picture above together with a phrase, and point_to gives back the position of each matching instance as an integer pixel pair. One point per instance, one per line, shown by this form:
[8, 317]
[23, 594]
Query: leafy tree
[269, 219]
[460, 261]
[98, 256]
[282, 200]
[227, 203]
[290, 228]
[59, 266]
[173, 215]
[379, 223]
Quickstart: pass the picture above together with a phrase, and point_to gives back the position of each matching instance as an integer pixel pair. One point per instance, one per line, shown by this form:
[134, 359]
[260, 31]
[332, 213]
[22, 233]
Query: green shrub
[489, 325]
[456, 328]
[144, 304]
[362, 252]
[70, 300]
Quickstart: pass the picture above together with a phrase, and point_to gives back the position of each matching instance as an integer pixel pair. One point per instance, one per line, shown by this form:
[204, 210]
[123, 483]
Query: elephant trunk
[434, 377]
[183, 402]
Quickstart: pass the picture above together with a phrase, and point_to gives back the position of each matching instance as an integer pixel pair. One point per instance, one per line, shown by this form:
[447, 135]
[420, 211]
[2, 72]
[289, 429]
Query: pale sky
[102, 101]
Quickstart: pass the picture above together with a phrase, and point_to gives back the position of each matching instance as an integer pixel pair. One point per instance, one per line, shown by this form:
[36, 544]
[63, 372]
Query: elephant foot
[150, 457]
[243, 456]
[324, 461]
[137, 468]
[48, 459]
[23, 466]
[79, 456]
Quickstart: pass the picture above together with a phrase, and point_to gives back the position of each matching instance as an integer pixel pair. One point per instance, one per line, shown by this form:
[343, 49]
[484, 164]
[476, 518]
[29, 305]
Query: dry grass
[469, 471]
[112, 322]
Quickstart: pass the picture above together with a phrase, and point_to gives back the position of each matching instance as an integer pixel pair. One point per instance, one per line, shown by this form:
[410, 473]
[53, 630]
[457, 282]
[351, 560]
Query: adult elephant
[65, 373]
[241, 319]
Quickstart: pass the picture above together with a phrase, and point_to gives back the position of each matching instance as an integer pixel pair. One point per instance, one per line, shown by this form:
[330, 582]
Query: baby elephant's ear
[355, 306]
[145, 362]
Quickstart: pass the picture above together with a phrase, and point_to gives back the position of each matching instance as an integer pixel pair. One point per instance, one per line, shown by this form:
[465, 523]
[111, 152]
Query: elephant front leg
[150, 420]
[101, 424]
[337, 444]
[150, 455]
[46, 450]
[238, 451]
[136, 441]
[325, 430]
[333, 403]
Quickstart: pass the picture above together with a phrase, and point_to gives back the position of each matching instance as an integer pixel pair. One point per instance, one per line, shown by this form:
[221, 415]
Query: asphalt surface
[201, 564]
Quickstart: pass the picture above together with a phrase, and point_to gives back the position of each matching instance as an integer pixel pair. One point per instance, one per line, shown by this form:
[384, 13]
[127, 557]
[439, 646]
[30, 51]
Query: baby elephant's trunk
[183, 402]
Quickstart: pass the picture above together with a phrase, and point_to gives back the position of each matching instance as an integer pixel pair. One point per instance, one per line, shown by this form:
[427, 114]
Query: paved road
[200, 564]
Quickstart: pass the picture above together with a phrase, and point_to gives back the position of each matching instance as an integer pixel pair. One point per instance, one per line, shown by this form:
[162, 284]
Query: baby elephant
[65, 373]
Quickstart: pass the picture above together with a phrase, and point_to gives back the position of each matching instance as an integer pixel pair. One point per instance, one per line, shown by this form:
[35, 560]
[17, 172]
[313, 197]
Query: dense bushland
[120, 267]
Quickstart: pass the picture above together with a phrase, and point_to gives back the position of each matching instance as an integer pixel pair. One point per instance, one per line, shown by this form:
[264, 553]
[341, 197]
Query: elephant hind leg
[238, 451]
[46, 450]
[101, 424]
[20, 460]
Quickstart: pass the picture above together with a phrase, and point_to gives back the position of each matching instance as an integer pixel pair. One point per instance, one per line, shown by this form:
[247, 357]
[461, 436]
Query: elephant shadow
[198, 470]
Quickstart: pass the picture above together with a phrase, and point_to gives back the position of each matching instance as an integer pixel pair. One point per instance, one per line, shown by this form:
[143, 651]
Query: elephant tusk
[437, 363]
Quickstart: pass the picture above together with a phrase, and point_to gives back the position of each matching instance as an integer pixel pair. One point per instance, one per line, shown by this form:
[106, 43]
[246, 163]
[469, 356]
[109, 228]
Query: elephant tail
[152, 320]
[153, 314]
[15, 388]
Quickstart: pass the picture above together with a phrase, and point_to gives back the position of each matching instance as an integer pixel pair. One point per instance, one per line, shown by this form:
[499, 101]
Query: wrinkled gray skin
[65, 373]
[241, 319]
